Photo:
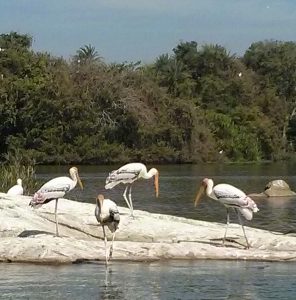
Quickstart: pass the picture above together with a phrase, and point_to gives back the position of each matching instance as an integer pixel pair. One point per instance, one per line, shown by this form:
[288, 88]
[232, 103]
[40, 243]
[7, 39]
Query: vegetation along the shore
[199, 103]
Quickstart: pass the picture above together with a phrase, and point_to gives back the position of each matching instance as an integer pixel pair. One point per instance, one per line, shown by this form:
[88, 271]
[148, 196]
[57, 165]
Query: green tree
[275, 62]
[15, 40]
[87, 55]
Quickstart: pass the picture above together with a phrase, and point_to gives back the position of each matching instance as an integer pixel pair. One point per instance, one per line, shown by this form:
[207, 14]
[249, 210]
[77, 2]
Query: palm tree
[172, 73]
[87, 55]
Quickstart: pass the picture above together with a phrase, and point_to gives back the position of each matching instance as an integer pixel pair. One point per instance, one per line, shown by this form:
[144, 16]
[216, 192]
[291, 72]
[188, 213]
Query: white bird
[107, 214]
[230, 196]
[16, 189]
[129, 173]
[54, 189]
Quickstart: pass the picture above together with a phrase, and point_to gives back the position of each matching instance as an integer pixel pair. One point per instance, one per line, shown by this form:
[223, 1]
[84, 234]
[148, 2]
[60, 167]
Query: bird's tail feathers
[110, 180]
[248, 208]
[246, 213]
[37, 200]
[110, 184]
[249, 203]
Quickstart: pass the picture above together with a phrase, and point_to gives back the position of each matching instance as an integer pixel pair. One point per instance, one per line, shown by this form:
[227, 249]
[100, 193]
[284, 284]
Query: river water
[166, 280]
[173, 279]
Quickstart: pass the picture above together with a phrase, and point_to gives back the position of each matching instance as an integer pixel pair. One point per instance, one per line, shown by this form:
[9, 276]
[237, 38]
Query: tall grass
[17, 166]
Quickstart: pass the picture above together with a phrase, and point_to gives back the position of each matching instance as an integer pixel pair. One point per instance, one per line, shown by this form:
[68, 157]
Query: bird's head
[74, 175]
[19, 182]
[201, 190]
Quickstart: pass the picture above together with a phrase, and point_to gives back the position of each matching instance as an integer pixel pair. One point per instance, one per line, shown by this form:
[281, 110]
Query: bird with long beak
[54, 189]
[229, 196]
[107, 214]
[129, 173]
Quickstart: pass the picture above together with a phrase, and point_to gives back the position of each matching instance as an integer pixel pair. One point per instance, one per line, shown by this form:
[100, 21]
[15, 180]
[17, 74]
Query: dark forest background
[197, 104]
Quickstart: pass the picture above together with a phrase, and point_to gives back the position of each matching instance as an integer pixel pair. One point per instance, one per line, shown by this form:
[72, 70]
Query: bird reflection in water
[280, 201]
[110, 290]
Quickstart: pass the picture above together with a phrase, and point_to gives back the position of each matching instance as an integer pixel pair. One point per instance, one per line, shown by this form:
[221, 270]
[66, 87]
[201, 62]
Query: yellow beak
[198, 195]
[156, 184]
[79, 182]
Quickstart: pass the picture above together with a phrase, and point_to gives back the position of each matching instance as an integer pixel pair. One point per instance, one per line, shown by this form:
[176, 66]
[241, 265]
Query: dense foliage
[199, 103]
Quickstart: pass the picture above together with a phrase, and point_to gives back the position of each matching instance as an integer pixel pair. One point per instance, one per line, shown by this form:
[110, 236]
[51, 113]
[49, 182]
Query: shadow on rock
[27, 233]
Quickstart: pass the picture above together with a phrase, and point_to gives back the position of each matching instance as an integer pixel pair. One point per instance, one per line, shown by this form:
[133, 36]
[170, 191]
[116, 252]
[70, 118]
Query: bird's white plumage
[227, 194]
[231, 196]
[129, 173]
[126, 174]
[55, 189]
[17, 189]
[107, 213]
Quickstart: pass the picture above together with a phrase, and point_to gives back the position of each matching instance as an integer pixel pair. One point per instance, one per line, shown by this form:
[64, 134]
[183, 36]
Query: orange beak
[79, 181]
[199, 194]
[156, 184]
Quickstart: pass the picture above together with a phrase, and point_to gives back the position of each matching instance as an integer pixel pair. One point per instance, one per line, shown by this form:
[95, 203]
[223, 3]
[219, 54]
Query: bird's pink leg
[227, 223]
[105, 241]
[56, 217]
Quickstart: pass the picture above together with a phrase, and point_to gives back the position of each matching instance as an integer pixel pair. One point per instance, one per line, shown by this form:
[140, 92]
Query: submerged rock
[276, 188]
[27, 235]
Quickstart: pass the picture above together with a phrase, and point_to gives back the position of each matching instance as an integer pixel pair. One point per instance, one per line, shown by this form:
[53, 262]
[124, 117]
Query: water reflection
[159, 280]
[110, 290]
[275, 202]
[178, 186]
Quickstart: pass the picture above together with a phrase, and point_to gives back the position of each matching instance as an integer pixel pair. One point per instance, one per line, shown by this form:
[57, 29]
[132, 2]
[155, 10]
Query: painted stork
[54, 189]
[230, 196]
[16, 189]
[107, 214]
[129, 173]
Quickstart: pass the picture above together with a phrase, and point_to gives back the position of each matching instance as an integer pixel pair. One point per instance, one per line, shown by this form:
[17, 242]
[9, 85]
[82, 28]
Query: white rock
[27, 235]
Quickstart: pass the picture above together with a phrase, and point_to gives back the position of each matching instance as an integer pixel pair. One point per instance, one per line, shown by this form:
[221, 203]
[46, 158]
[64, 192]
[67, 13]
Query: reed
[16, 166]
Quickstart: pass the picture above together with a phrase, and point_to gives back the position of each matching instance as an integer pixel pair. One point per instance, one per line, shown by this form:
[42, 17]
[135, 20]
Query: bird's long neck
[74, 178]
[100, 204]
[209, 189]
[100, 213]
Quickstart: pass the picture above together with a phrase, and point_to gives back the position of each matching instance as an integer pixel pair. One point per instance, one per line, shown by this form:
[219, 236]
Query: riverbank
[27, 235]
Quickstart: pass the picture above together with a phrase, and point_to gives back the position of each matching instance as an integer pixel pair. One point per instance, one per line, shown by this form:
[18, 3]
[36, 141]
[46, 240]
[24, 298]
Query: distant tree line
[197, 104]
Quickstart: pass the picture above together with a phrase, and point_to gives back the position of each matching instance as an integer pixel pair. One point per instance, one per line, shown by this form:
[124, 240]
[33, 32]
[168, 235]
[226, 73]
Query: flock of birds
[106, 211]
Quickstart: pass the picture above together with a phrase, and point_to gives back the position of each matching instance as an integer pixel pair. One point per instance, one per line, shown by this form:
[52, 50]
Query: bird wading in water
[54, 189]
[230, 196]
[129, 173]
[107, 214]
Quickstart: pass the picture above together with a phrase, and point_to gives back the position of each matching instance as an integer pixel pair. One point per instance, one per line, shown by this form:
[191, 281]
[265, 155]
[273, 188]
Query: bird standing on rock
[107, 214]
[230, 196]
[16, 189]
[129, 173]
[54, 189]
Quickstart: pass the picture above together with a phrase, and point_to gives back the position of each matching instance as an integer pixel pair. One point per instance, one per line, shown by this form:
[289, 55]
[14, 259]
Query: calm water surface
[173, 280]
